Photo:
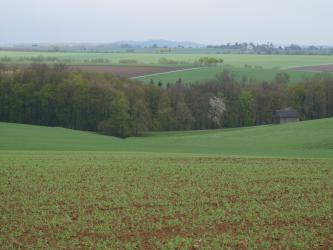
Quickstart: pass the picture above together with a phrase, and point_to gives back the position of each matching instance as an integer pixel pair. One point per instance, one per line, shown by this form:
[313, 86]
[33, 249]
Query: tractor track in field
[132, 72]
[167, 72]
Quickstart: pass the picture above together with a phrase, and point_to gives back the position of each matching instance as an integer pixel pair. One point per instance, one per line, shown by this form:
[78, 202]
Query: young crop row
[148, 201]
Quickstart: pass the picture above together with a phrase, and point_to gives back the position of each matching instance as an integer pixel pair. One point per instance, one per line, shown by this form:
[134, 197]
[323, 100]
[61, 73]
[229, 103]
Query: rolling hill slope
[304, 139]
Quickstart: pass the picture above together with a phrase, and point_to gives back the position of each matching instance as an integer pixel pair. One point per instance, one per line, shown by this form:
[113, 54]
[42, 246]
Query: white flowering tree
[217, 108]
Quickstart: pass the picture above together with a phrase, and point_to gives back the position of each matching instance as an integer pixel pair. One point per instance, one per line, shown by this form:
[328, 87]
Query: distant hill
[161, 43]
[101, 46]
[303, 139]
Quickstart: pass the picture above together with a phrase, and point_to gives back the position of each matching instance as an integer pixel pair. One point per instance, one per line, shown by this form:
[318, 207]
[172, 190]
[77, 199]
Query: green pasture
[304, 139]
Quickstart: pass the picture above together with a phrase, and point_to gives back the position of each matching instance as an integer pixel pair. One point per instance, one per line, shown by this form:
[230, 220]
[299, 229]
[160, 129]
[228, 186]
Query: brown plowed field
[318, 68]
[125, 71]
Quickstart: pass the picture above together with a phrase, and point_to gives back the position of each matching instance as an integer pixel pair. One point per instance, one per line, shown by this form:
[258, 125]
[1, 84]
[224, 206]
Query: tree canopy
[55, 96]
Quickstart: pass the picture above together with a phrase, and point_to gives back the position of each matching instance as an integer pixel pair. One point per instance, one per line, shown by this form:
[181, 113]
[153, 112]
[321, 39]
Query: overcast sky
[205, 21]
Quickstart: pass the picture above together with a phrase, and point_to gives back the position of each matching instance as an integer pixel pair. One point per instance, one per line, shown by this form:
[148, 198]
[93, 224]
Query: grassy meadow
[266, 187]
[309, 139]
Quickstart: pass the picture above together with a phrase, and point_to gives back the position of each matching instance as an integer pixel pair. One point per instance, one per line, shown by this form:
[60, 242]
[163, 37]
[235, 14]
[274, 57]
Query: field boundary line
[312, 65]
[167, 72]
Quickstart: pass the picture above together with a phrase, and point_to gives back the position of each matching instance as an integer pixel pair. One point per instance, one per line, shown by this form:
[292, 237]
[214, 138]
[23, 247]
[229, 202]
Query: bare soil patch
[318, 68]
[125, 71]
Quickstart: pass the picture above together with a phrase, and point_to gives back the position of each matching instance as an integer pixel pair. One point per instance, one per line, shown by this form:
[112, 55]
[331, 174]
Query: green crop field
[100, 200]
[266, 61]
[266, 187]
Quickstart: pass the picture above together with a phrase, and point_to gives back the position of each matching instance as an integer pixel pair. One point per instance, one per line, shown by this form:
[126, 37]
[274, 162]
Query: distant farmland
[238, 73]
[249, 67]
[85, 58]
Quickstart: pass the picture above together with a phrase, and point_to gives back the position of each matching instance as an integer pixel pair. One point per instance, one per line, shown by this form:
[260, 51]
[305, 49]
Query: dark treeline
[53, 96]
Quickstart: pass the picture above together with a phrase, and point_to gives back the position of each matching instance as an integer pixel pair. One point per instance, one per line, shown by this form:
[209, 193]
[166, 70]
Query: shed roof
[287, 113]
